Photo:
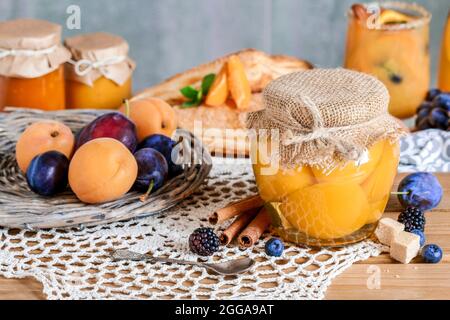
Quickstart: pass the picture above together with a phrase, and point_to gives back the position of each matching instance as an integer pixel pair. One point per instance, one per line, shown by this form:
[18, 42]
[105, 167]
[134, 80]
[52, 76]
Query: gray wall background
[169, 36]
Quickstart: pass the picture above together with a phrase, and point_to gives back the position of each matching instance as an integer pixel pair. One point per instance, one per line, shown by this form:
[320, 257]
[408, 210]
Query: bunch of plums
[434, 112]
[116, 152]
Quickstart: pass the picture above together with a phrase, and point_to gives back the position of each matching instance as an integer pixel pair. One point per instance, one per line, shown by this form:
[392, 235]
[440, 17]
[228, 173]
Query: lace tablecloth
[75, 264]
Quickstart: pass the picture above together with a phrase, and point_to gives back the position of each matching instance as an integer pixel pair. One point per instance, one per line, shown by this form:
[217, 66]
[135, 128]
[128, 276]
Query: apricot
[352, 171]
[238, 83]
[102, 170]
[218, 93]
[379, 183]
[327, 210]
[152, 116]
[43, 136]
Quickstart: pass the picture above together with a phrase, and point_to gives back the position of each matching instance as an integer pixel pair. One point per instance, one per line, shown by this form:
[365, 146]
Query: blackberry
[413, 219]
[204, 242]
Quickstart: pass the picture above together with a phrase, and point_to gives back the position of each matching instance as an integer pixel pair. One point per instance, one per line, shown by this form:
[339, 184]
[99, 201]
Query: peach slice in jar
[352, 171]
[389, 16]
[238, 83]
[376, 209]
[327, 210]
[378, 185]
[218, 93]
[273, 187]
[273, 181]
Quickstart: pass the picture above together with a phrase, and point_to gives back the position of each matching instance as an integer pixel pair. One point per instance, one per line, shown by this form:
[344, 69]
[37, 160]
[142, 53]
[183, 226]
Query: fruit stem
[144, 197]
[127, 107]
[399, 193]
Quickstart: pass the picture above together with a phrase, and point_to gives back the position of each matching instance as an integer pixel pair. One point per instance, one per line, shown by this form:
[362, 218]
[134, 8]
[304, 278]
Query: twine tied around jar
[25, 53]
[318, 132]
[84, 66]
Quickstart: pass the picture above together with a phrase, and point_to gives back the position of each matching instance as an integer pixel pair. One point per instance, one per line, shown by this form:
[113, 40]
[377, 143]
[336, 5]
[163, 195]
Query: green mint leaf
[207, 82]
[189, 93]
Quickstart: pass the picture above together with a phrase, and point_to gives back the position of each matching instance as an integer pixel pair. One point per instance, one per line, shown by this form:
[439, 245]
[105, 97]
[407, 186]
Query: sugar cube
[405, 246]
[387, 229]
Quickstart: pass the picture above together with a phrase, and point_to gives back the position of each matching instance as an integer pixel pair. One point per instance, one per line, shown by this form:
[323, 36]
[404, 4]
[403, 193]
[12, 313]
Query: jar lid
[99, 54]
[30, 48]
[322, 117]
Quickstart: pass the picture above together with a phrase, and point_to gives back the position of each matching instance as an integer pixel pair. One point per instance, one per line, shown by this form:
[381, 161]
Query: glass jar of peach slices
[444, 67]
[32, 64]
[99, 75]
[390, 40]
[325, 154]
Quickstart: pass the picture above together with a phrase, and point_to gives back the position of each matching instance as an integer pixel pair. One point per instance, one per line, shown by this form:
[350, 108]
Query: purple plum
[111, 125]
[152, 170]
[421, 190]
[165, 145]
[47, 173]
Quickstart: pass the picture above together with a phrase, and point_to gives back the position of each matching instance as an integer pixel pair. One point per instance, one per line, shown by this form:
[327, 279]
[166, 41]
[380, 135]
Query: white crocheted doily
[75, 264]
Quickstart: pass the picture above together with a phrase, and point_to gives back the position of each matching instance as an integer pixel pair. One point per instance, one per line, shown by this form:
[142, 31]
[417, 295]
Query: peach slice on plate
[218, 93]
[238, 83]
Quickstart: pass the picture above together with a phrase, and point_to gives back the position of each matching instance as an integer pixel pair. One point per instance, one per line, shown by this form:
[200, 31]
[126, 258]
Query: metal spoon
[227, 268]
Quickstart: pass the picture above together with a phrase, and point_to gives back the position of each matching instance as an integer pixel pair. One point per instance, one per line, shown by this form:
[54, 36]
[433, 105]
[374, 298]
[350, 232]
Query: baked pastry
[260, 69]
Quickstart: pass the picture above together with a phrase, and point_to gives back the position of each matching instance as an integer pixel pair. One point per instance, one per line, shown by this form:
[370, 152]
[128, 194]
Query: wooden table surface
[416, 280]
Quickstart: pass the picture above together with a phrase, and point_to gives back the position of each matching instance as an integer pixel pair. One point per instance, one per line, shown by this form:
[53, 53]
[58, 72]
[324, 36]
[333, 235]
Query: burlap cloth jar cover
[30, 48]
[325, 117]
[98, 54]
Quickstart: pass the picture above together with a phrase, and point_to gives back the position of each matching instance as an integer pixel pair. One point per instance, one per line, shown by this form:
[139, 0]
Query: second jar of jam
[32, 64]
[99, 75]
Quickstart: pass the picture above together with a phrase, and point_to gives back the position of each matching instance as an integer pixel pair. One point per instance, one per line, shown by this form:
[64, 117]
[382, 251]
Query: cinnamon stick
[255, 229]
[360, 12]
[237, 226]
[235, 209]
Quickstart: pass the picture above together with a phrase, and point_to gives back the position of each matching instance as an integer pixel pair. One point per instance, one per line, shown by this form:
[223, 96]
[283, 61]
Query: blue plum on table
[47, 173]
[421, 190]
[165, 145]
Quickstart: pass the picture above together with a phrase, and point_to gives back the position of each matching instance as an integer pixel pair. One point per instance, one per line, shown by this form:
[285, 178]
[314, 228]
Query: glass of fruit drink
[390, 40]
[325, 155]
[444, 67]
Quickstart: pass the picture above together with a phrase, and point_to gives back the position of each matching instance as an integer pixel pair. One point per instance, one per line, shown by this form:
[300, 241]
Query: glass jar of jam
[99, 75]
[32, 64]
[325, 155]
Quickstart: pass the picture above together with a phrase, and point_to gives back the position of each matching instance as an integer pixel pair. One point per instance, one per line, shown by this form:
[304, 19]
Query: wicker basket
[22, 208]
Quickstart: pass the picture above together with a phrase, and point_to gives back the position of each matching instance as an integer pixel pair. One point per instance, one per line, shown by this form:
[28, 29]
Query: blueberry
[442, 100]
[274, 247]
[421, 190]
[438, 118]
[432, 253]
[421, 235]
[47, 173]
[165, 145]
[432, 93]
[152, 170]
